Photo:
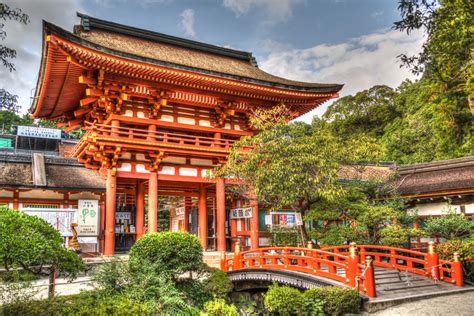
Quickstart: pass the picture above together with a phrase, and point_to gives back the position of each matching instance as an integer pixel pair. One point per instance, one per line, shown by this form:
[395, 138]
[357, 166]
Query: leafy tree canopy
[31, 243]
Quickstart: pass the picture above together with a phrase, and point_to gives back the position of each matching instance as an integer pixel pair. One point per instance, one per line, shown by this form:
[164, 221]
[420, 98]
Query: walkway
[456, 304]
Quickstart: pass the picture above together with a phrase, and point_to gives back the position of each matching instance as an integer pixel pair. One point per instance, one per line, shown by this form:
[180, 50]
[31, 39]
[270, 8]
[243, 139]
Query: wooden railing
[136, 134]
[412, 261]
[352, 265]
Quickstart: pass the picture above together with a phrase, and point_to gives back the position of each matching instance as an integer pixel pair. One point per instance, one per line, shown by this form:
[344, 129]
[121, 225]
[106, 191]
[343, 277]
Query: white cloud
[275, 10]
[358, 64]
[143, 3]
[187, 22]
[27, 40]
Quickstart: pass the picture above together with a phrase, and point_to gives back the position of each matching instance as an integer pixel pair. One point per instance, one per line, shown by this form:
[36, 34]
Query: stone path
[452, 305]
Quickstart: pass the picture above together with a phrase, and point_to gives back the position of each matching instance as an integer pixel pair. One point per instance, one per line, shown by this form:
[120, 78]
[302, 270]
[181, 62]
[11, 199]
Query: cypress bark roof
[443, 177]
[196, 56]
[61, 173]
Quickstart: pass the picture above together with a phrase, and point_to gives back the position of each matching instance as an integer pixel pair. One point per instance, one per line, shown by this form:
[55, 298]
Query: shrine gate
[159, 113]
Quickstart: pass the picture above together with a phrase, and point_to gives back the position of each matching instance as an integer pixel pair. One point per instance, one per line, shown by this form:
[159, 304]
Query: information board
[236, 213]
[88, 218]
[38, 132]
[60, 219]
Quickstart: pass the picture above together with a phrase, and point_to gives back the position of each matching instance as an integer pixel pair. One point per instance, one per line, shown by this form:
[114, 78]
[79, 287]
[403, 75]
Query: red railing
[412, 261]
[352, 265]
[137, 134]
[330, 265]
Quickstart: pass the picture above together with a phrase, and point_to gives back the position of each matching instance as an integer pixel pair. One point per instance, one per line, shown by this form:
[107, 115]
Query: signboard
[38, 132]
[60, 219]
[237, 213]
[88, 218]
[122, 216]
[298, 219]
[179, 211]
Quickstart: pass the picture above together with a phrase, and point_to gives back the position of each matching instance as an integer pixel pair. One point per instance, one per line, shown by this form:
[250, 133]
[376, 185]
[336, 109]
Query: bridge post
[352, 265]
[223, 262]
[432, 266]
[457, 271]
[369, 278]
[237, 257]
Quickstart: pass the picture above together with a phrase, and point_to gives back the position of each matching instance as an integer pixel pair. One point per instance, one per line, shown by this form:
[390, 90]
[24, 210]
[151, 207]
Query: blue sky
[336, 41]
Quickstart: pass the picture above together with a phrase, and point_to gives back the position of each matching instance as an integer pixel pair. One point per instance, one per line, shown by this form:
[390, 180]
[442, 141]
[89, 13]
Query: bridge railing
[317, 262]
[412, 261]
[352, 265]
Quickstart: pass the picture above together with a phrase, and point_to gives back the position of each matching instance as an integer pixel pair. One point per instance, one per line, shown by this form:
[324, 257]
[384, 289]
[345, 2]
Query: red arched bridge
[369, 268]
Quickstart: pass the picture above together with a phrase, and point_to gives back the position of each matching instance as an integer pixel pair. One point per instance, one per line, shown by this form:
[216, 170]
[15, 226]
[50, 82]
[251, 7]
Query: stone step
[410, 287]
[397, 281]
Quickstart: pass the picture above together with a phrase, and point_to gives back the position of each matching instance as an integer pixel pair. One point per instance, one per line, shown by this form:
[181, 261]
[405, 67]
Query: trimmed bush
[218, 283]
[218, 307]
[284, 300]
[336, 300]
[169, 253]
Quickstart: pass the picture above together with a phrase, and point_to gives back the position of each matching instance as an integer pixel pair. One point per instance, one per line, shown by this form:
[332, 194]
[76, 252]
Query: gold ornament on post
[73, 242]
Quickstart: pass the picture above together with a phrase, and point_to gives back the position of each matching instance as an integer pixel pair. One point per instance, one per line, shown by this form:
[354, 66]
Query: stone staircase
[394, 287]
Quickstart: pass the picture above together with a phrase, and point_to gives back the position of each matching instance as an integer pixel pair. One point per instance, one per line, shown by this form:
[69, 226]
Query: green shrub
[218, 307]
[112, 277]
[31, 242]
[169, 253]
[450, 226]
[194, 291]
[336, 300]
[84, 304]
[284, 300]
[285, 236]
[218, 283]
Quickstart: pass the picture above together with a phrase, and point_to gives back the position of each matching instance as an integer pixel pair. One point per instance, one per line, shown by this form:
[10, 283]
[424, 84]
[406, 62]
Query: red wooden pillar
[457, 271]
[187, 205]
[153, 202]
[111, 189]
[202, 216]
[16, 199]
[140, 205]
[432, 266]
[233, 227]
[254, 222]
[102, 223]
[353, 265]
[220, 222]
[369, 278]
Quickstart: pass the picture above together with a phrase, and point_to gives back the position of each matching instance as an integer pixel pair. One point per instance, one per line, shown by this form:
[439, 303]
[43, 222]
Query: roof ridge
[88, 23]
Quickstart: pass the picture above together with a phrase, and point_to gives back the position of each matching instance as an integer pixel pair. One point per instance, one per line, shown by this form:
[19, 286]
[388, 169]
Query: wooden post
[310, 244]
[16, 199]
[187, 203]
[237, 257]
[457, 271]
[220, 221]
[353, 265]
[202, 217]
[369, 278]
[102, 223]
[223, 262]
[111, 189]
[254, 223]
[233, 228]
[153, 202]
[140, 212]
[432, 262]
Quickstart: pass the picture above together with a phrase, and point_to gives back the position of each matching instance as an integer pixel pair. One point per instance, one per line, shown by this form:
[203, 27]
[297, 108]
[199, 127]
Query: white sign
[88, 218]
[179, 211]
[38, 132]
[298, 219]
[123, 216]
[60, 219]
[241, 213]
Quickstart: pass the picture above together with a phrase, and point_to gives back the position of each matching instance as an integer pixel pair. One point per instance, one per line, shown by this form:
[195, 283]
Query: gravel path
[452, 305]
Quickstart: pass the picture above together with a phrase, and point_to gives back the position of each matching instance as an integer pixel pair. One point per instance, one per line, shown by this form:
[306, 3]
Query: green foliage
[336, 300]
[195, 291]
[285, 236]
[14, 290]
[464, 247]
[31, 243]
[218, 283]
[449, 226]
[313, 306]
[218, 307]
[112, 277]
[168, 253]
[397, 235]
[84, 304]
[284, 300]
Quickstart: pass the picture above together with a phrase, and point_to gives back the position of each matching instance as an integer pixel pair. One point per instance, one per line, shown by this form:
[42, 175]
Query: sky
[328, 41]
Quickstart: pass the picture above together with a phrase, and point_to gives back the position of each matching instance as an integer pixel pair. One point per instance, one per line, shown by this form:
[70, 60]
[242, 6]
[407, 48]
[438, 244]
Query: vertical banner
[88, 218]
